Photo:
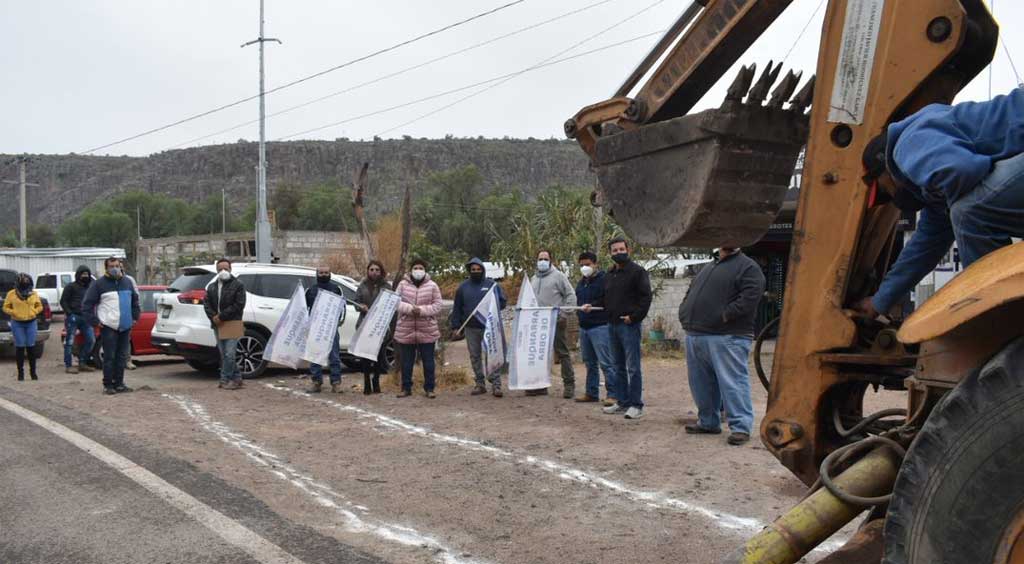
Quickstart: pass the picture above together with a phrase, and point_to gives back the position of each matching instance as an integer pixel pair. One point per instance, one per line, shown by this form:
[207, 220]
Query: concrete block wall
[669, 294]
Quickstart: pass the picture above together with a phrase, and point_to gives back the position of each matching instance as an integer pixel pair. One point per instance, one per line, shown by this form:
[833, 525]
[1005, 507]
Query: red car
[141, 344]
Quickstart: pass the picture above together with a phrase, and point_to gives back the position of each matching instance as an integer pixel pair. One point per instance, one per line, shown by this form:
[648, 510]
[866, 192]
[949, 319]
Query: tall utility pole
[22, 206]
[264, 239]
[223, 211]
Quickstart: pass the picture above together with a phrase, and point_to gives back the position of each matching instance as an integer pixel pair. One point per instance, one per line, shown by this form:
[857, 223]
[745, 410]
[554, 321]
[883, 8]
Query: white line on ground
[234, 533]
[323, 494]
[659, 500]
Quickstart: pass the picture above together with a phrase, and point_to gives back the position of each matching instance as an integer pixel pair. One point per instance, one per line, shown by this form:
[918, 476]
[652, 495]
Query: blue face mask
[543, 265]
[114, 272]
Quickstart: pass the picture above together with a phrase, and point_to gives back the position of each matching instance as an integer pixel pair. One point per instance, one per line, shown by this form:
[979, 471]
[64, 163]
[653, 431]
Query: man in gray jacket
[718, 316]
[553, 289]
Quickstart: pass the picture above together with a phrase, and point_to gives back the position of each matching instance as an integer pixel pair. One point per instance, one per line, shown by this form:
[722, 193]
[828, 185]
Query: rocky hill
[70, 182]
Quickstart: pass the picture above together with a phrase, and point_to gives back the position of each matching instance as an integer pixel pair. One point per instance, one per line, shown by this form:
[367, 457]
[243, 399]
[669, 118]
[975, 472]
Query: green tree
[41, 235]
[450, 213]
[327, 207]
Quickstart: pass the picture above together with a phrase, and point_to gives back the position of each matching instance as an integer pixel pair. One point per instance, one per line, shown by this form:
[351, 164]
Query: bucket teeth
[803, 99]
[760, 89]
[741, 84]
[785, 89]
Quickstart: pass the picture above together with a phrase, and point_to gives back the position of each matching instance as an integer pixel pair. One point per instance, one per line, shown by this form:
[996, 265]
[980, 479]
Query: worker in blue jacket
[467, 297]
[962, 167]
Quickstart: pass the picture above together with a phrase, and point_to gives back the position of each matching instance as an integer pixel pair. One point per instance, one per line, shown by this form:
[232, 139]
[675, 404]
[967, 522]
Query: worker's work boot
[694, 429]
[586, 398]
[478, 390]
[314, 387]
[336, 388]
[233, 385]
[85, 368]
[569, 392]
[71, 369]
[736, 439]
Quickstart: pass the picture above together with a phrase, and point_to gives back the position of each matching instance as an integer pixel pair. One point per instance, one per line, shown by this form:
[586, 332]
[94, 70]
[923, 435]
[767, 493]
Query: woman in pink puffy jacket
[417, 330]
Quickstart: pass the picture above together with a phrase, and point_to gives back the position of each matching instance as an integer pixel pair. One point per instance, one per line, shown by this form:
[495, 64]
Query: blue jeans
[987, 217]
[116, 348]
[426, 352]
[717, 367]
[334, 358]
[625, 348]
[78, 323]
[228, 364]
[24, 333]
[594, 347]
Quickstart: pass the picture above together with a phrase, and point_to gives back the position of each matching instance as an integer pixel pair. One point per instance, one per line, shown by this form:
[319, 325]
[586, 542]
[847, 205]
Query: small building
[44, 260]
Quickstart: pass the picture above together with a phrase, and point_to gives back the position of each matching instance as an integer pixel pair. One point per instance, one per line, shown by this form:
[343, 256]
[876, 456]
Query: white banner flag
[288, 341]
[370, 335]
[532, 343]
[489, 314]
[323, 326]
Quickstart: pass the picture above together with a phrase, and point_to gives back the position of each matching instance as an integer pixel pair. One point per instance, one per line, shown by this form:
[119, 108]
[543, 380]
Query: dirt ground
[457, 478]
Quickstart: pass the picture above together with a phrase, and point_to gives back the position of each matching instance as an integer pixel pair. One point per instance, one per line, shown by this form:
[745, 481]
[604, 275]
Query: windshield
[191, 281]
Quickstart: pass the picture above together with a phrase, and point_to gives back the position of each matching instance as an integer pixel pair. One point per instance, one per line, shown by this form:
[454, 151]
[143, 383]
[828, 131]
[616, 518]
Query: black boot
[367, 390]
[376, 383]
[19, 356]
[31, 364]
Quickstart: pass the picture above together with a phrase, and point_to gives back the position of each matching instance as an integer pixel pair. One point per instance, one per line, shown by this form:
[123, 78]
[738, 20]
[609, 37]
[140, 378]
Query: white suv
[183, 329]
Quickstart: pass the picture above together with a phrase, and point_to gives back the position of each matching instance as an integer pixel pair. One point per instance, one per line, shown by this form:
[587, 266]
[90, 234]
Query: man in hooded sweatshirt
[553, 289]
[467, 298]
[74, 321]
[316, 372]
[112, 304]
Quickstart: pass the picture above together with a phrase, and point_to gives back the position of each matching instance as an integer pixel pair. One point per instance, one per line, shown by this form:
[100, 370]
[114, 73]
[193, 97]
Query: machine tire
[961, 486]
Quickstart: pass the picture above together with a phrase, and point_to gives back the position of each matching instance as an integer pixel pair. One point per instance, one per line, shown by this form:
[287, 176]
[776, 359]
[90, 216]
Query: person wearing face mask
[553, 289]
[71, 301]
[718, 315]
[224, 304]
[467, 298]
[366, 294]
[962, 168]
[23, 305]
[627, 299]
[594, 347]
[416, 331]
[112, 304]
[316, 372]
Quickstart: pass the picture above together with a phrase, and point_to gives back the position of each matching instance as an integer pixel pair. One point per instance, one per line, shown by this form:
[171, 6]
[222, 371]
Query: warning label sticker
[856, 60]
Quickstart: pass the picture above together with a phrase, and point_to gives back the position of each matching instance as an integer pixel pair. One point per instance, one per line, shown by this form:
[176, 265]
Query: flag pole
[470, 316]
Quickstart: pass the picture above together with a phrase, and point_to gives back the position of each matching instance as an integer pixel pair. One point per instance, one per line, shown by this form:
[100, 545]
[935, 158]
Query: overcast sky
[83, 73]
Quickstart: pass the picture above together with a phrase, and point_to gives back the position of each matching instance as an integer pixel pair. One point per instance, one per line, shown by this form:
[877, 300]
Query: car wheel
[249, 354]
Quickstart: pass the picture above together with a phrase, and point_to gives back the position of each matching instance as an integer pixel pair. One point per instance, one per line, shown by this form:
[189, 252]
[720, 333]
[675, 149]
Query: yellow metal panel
[996, 279]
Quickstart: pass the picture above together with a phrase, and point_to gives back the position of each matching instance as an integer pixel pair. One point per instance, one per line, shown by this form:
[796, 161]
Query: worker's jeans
[334, 359]
[475, 345]
[228, 363]
[987, 217]
[78, 323]
[624, 341]
[116, 347]
[717, 367]
[426, 352]
[596, 352]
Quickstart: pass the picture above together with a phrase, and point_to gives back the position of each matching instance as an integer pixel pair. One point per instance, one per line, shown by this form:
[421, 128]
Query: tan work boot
[71, 369]
[314, 387]
[586, 398]
[336, 388]
[233, 385]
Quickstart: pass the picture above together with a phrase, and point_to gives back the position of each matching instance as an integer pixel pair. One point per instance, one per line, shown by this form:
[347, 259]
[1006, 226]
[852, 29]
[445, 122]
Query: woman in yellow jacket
[23, 305]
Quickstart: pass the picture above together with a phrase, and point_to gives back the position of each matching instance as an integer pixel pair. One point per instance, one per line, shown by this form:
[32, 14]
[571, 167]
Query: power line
[402, 71]
[802, 31]
[309, 77]
[466, 87]
[534, 67]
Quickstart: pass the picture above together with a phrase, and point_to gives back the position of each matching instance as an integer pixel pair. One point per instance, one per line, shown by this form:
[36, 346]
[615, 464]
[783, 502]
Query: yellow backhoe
[941, 480]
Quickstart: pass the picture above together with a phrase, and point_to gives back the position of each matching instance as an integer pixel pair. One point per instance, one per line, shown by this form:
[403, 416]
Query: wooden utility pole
[403, 258]
[22, 206]
[359, 182]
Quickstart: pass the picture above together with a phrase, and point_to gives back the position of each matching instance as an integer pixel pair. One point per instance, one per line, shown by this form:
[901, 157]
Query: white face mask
[224, 275]
[419, 274]
[543, 265]
[587, 271]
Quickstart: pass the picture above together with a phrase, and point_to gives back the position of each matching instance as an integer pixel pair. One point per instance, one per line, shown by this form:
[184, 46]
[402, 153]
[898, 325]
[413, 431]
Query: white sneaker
[634, 413]
[613, 409]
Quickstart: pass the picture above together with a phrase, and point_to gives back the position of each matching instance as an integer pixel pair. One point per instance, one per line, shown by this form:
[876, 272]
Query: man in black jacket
[224, 305]
[316, 372]
[718, 316]
[627, 299]
[74, 321]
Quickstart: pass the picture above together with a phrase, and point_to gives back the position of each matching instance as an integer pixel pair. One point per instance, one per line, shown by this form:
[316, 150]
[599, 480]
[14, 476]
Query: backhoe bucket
[712, 179]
